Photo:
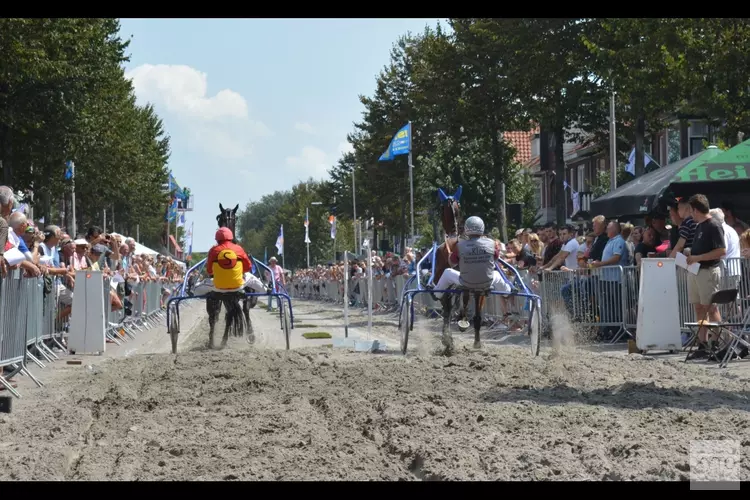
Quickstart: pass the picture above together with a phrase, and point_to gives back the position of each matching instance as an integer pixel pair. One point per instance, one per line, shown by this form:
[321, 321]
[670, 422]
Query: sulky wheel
[285, 322]
[404, 322]
[174, 328]
[535, 326]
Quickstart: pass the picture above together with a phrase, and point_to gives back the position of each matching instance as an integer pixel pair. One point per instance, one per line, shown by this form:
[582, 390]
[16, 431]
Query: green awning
[716, 165]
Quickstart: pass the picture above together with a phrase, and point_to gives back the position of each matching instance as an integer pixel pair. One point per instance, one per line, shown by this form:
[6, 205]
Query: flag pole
[307, 231]
[411, 183]
[612, 145]
[354, 209]
[73, 196]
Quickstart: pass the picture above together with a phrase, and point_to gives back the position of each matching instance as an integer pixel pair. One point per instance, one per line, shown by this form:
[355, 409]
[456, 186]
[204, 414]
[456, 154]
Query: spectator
[628, 231]
[647, 246]
[600, 228]
[708, 249]
[553, 245]
[730, 260]
[566, 257]
[7, 200]
[610, 293]
[686, 231]
[584, 250]
[731, 219]
[18, 224]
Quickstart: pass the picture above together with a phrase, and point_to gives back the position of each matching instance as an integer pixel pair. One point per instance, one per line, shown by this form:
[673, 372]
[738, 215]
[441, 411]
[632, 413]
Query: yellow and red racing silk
[227, 262]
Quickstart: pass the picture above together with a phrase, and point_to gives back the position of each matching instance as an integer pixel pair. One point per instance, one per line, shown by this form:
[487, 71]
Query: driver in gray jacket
[476, 259]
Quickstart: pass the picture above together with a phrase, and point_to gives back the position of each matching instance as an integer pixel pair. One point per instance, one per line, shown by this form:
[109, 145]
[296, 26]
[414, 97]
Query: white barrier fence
[602, 298]
[35, 326]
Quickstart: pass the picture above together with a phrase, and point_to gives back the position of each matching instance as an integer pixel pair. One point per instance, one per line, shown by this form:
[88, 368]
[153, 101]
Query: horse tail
[235, 318]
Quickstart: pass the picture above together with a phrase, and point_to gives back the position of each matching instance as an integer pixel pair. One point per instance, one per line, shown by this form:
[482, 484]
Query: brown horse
[453, 227]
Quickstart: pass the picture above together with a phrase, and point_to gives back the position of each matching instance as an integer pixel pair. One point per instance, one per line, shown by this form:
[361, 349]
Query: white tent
[142, 249]
[139, 249]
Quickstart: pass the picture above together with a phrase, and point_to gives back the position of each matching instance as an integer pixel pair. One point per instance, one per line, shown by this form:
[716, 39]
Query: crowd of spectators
[50, 252]
[607, 243]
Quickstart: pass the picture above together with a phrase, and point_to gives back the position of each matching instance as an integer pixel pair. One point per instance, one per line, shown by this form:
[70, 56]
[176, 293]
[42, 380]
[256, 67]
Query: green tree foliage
[64, 96]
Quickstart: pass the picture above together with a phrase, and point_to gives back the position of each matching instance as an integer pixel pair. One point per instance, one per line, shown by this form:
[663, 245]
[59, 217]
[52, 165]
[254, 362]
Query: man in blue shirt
[616, 253]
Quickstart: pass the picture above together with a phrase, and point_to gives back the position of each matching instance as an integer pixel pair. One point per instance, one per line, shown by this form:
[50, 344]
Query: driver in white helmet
[476, 257]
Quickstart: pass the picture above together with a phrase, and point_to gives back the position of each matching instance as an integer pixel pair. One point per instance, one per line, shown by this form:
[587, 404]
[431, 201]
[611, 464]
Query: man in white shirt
[567, 258]
[731, 259]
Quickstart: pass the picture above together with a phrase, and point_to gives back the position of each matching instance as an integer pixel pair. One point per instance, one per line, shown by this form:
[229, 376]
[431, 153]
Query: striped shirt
[687, 231]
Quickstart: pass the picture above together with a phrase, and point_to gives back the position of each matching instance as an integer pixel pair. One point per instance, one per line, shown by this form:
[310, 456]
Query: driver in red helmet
[227, 262]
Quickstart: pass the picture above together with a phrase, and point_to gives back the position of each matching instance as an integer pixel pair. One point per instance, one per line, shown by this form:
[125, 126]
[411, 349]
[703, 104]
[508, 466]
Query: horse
[236, 317]
[453, 227]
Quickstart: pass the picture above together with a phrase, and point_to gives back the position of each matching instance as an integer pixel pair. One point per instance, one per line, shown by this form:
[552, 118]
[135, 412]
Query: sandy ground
[322, 413]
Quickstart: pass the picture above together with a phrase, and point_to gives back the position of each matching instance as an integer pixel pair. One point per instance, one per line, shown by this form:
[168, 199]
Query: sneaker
[700, 353]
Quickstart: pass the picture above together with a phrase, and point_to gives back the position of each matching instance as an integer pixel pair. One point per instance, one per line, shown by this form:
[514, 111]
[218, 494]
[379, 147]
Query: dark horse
[453, 227]
[236, 317]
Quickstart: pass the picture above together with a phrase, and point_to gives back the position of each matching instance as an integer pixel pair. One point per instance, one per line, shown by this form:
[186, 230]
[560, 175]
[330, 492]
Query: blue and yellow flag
[400, 144]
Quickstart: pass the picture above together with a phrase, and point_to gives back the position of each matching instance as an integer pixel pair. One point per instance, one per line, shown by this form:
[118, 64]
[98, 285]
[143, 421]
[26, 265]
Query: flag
[630, 167]
[280, 241]
[576, 201]
[172, 210]
[332, 221]
[41, 221]
[400, 144]
[69, 167]
[307, 230]
[181, 220]
[566, 185]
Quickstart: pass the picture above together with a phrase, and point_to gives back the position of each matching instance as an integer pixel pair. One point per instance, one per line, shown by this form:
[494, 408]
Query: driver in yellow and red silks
[227, 262]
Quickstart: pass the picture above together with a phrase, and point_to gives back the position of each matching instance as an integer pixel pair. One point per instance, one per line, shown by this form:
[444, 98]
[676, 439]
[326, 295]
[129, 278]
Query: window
[696, 145]
[673, 145]
[580, 186]
[535, 146]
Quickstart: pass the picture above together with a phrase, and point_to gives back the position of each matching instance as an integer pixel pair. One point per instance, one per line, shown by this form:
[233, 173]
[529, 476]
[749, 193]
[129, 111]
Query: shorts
[702, 286]
[65, 296]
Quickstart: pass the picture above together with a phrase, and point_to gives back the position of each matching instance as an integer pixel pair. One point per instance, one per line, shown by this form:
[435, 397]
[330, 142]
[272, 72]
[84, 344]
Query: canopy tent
[139, 249]
[643, 194]
[142, 249]
[723, 173]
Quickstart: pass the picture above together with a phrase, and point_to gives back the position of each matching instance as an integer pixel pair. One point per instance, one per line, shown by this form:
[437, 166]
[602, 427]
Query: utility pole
[612, 145]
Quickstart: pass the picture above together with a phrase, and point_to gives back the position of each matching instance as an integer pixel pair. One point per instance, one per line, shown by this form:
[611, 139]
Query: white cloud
[304, 127]
[345, 147]
[219, 125]
[311, 162]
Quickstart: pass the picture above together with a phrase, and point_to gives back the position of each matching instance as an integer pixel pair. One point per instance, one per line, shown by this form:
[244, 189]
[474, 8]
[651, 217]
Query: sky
[253, 106]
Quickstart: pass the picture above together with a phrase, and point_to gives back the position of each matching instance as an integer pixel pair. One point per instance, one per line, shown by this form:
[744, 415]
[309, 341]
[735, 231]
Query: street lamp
[307, 217]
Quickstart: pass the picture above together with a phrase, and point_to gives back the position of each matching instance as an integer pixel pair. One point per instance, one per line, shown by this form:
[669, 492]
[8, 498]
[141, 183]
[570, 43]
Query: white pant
[251, 281]
[451, 277]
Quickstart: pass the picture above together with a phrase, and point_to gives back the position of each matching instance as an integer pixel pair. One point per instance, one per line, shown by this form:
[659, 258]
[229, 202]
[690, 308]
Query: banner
[400, 144]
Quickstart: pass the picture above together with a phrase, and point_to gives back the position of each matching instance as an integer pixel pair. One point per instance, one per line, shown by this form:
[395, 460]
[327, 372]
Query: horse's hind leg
[478, 304]
[213, 313]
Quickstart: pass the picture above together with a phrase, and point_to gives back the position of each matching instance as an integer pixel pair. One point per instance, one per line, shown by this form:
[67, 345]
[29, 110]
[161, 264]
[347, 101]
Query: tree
[547, 71]
[643, 61]
[64, 96]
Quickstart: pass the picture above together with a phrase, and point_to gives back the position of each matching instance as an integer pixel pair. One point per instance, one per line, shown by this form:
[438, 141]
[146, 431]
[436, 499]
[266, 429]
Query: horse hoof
[251, 339]
[477, 345]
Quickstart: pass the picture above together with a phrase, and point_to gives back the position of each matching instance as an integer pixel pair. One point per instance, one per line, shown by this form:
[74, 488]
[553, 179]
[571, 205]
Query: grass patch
[303, 325]
[317, 335]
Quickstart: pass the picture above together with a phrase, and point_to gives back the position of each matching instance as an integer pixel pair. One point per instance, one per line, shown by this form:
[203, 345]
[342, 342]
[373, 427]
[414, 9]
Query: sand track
[256, 412]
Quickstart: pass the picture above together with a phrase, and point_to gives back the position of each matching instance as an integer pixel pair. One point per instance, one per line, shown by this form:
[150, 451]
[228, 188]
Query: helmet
[474, 226]
[223, 234]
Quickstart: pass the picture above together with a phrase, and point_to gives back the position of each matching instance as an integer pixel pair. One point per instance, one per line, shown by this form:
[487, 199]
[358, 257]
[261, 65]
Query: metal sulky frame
[407, 313]
[286, 314]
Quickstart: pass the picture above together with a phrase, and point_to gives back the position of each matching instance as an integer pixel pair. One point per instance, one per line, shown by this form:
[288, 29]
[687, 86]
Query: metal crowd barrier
[591, 300]
[31, 328]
